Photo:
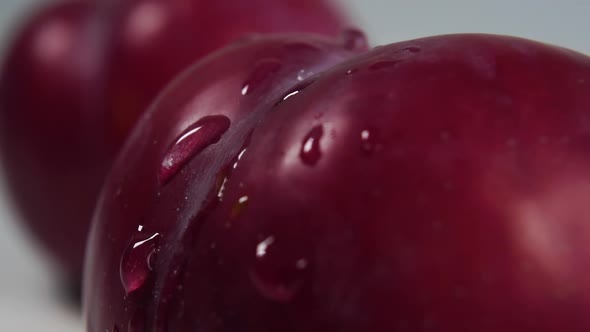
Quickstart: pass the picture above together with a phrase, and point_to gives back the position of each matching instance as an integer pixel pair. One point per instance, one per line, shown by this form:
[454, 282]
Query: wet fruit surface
[432, 185]
[79, 74]
[184, 156]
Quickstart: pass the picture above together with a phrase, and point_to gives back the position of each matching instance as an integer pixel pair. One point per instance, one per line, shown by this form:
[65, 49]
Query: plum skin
[79, 73]
[434, 184]
[241, 83]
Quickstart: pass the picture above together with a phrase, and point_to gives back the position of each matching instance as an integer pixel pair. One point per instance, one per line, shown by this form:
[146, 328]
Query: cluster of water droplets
[139, 259]
[275, 281]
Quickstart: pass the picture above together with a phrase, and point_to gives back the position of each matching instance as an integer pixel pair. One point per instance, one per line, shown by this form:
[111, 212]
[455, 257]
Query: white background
[29, 296]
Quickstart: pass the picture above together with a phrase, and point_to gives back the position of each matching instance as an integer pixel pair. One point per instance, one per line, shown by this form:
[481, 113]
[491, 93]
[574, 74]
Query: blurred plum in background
[79, 73]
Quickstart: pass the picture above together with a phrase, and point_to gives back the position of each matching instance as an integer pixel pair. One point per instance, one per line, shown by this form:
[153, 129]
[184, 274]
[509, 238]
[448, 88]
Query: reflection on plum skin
[146, 21]
[53, 42]
[549, 224]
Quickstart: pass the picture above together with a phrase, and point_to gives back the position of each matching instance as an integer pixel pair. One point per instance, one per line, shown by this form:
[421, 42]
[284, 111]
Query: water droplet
[382, 64]
[354, 40]
[262, 71]
[291, 94]
[193, 140]
[310, 149]
[365, 134]
[351, 71]
[138, 261]
[225, 172]
[240, 155]
[367, 141]
[276, 277]
[221, 190]
[262, 247]
[297, 89]
[412, 49]
[303, 74]
[240, 206]
[245, 89]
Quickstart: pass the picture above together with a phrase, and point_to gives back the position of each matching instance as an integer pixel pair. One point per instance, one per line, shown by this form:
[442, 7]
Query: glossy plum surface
[438, 184]
[177, 167]
[79, 73]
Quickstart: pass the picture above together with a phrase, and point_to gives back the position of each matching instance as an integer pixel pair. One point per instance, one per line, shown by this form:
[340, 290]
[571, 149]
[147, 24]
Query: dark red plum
[51, 123]
[438, 184]
[78, 75]
[177, 166]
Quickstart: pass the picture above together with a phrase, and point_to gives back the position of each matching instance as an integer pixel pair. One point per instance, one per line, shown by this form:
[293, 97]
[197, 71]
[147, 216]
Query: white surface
[28, 300]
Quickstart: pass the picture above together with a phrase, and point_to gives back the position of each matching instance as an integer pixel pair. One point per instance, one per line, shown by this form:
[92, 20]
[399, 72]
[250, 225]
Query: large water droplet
[354, 40]
[310, 149]
[275, 274]
[193, 140]
[262, 71]
[138, 260]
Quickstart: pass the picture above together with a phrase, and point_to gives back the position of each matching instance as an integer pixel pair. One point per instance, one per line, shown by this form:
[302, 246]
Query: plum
[78, 75]
[178, 164]
[436, 184]
[51, 140]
